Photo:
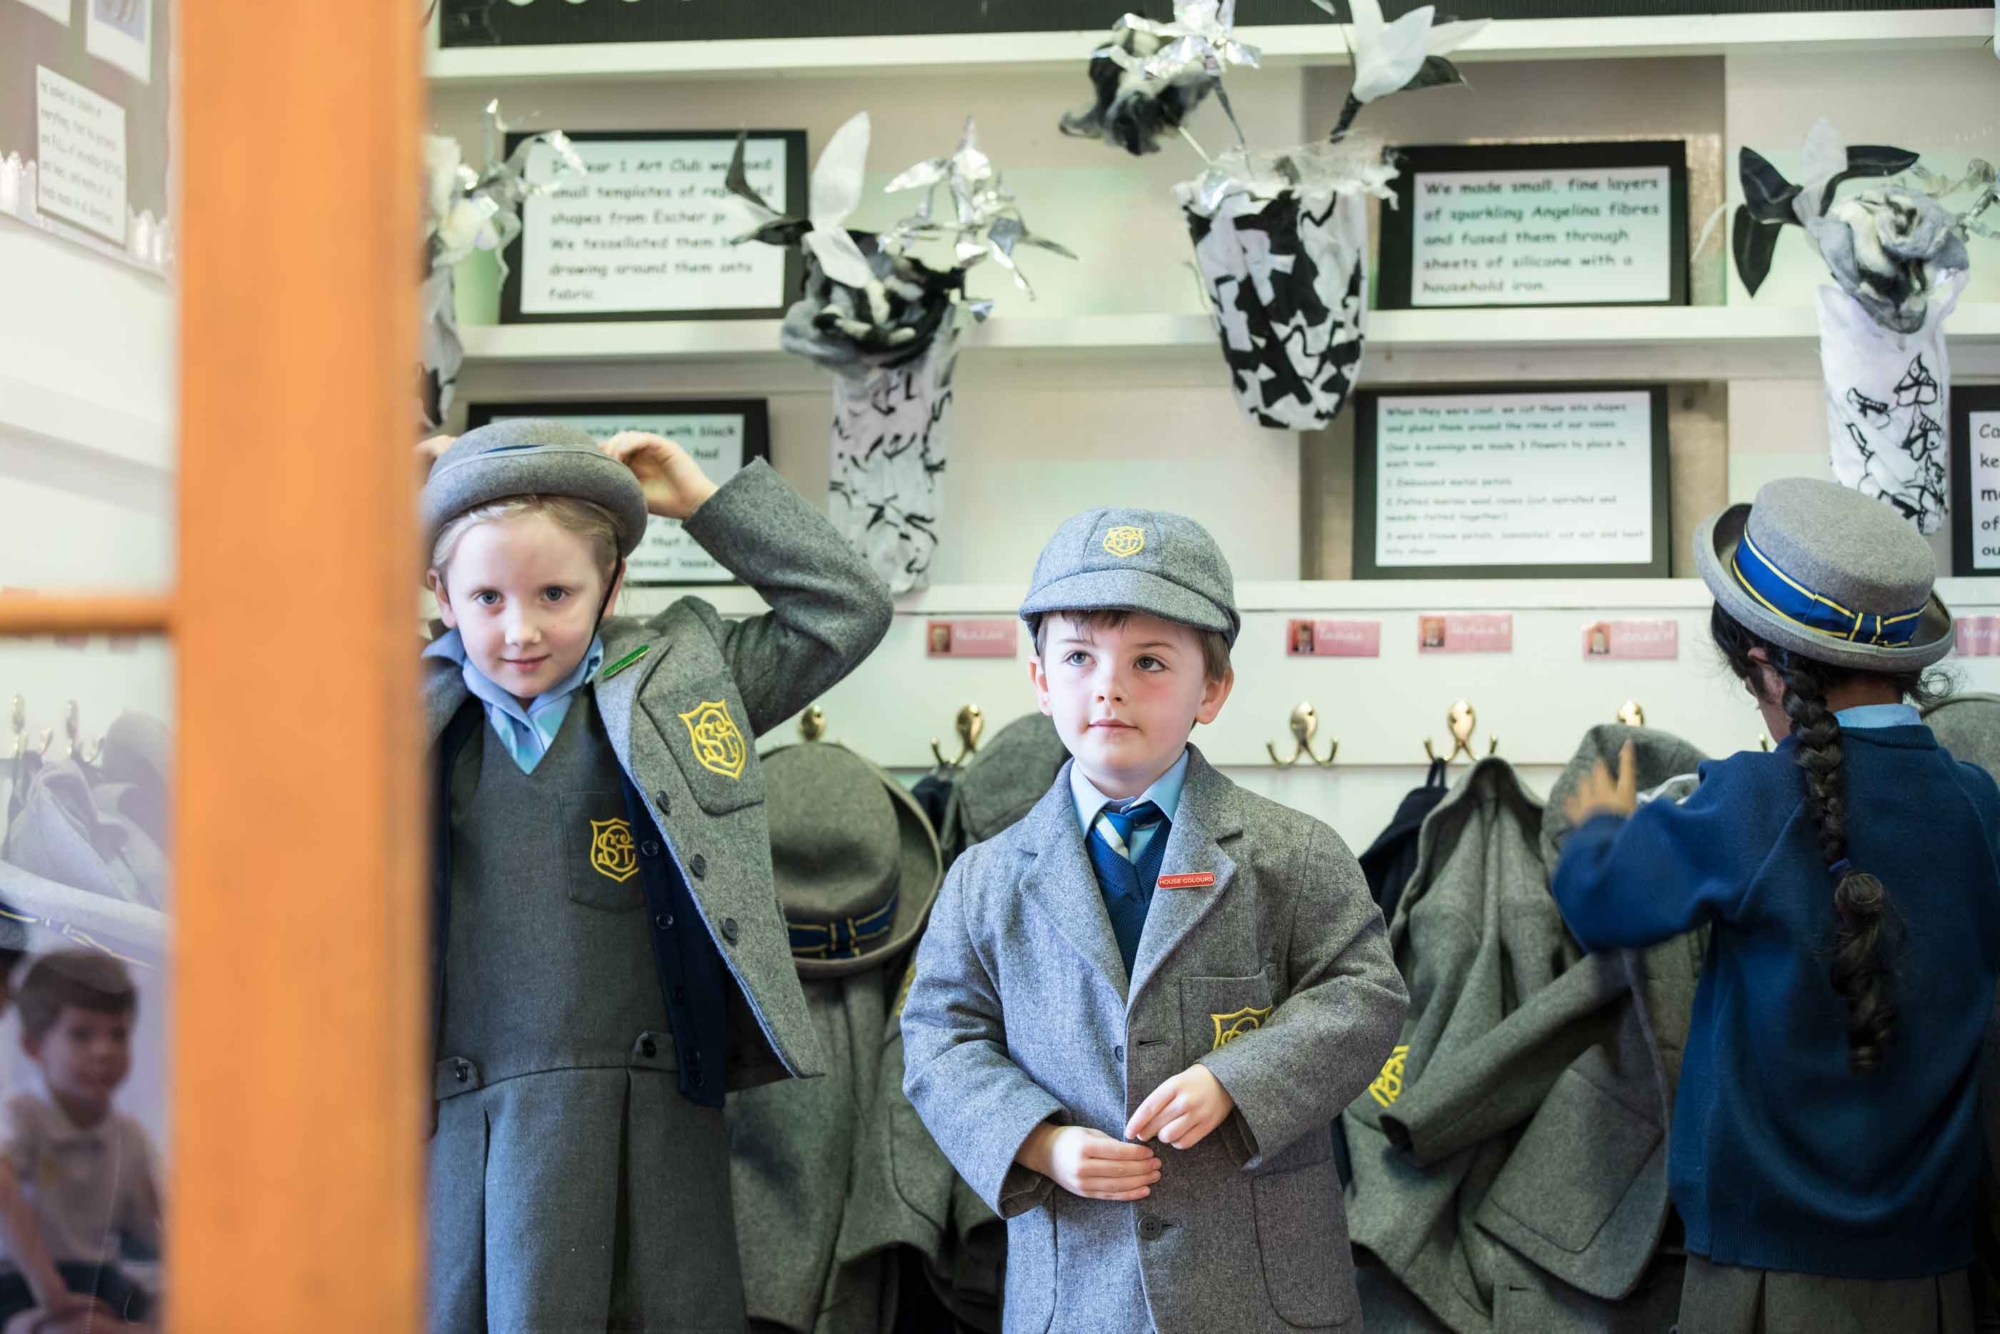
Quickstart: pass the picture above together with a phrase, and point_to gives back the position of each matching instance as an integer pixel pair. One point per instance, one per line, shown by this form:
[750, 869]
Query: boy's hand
[675, 484]
[1090, 1163]
[1601, 794]
[1183, 1110]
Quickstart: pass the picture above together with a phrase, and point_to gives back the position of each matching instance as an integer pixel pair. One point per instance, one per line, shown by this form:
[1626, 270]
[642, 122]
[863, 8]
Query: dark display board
[540, 22]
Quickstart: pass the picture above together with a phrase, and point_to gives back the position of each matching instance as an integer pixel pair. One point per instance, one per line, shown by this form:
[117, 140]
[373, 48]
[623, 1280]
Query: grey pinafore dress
[572, 1188]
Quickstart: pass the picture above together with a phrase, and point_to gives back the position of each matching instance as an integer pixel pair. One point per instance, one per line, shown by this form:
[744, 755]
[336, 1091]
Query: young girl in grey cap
[1137, 1012]
[609, 955]
[1826, 1150]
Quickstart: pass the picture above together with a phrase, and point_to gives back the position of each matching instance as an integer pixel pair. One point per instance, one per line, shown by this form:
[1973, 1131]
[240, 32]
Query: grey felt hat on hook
[1829, 574]
[856, 861]
[525, 456]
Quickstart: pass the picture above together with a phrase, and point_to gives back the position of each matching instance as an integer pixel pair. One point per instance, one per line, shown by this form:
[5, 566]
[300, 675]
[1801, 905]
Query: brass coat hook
[73, 730]
[19, 718]
[1765, 743]
[971, 724]
[1632, 714]
[1304, 723]
[1463, 720]
[812, 724]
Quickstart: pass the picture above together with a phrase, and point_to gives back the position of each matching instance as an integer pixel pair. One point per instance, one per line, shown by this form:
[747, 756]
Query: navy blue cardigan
[1780, 1157]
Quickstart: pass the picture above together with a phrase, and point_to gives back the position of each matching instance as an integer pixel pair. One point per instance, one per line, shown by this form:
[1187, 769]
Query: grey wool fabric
[1021, 1011]
[524, 456]
[572, 1187]
[680, 698]
[1136, 560]
[1856, 552]
[813, 1226]
[1510, 1158]
[1002, 782]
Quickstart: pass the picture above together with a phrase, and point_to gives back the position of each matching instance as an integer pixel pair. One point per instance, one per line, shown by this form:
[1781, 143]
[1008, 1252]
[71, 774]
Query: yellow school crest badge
[611, 852]
[1229, 1027]
[718, 745]
[1388, 1085]
[1123, 542]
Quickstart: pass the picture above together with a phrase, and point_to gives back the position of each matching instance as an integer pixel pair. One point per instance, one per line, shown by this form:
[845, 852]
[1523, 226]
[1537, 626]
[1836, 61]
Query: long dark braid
[1867, 930]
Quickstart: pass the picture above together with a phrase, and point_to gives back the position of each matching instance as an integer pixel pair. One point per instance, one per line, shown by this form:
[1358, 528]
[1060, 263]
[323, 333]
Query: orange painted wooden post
[294, 1189]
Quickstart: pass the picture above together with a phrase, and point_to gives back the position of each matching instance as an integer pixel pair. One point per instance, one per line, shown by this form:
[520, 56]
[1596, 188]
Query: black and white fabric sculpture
[891, 435]
[1899, 259]
[887, 325]
[1283, 258]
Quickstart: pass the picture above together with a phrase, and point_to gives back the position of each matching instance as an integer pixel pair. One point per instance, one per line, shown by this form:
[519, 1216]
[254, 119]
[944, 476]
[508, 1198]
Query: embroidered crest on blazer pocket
[1216, 1011]
[700, 723]
[600, 857]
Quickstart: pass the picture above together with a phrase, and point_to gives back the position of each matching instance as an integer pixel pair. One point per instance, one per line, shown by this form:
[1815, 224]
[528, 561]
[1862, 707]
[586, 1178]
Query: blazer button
[1150, 1228]
[699, 865]
[463, 1071]
[648, 1047]
[650, 848]
[665, 802]
[680, 996]
[695, 1079]
[665, 921]
[1118, 1054]
[729, 929]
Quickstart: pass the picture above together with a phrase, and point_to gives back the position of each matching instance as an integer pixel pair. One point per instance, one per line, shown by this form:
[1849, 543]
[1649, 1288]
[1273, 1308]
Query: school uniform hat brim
[1829, 574]
[525, 456]
[855, 860]
[1165, 565]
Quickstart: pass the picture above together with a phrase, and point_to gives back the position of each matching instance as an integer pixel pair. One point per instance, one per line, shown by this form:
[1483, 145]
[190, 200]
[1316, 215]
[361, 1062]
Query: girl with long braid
[1825, 1155]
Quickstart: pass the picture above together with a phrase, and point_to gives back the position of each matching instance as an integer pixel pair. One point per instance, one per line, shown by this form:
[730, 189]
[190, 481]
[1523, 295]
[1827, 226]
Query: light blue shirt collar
[1164, 793]
[526, 730]
[1880, 715]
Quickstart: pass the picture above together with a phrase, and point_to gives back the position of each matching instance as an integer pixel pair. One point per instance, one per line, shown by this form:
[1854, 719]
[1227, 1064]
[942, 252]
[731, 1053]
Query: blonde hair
[585, 518]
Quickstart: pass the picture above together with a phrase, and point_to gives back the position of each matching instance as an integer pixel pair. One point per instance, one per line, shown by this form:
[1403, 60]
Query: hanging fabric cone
[890, 438]
[1888, 402]
[1283, 256]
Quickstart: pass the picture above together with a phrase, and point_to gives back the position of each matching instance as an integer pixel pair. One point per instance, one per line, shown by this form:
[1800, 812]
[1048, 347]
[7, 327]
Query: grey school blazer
[683, 714]
[1275, 974]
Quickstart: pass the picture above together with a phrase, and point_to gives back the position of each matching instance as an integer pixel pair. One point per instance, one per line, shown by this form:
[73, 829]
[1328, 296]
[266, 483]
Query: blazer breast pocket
[1216, 1011]
[702, 725]
[601, 852]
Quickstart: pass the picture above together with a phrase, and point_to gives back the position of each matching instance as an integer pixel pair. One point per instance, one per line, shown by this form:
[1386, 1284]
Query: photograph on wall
[723, 435]
[1534, 482]
[85, 111]
[1583, 224]
[647, 231]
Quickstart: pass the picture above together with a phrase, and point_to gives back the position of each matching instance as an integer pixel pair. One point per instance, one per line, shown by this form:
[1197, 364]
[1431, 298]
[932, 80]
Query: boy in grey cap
[1137, 1012]
[608, 952]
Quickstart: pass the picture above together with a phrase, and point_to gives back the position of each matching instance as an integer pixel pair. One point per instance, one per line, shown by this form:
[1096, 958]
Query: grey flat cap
[524, 456]
[1829, 574]
[1969, 727]
[856, 862]
[1139, 560]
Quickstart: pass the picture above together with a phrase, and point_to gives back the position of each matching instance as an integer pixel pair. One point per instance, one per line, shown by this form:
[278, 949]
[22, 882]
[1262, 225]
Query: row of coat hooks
[1462, 719]
[970, 725]
[72, 730]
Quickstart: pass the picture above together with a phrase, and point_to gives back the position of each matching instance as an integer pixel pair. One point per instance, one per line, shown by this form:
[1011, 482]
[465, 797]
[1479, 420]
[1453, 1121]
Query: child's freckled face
[1125, 699]
[524, 594]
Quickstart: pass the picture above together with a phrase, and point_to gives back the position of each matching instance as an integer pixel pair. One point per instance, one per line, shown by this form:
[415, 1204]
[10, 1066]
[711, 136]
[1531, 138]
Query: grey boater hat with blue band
[1829, 574]
[524, 456]
[1136, 560]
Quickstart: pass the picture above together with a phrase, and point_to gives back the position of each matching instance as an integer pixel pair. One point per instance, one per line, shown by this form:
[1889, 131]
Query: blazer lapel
[444, 694]
[1205, 817]
[1062, 885]
[618, 698]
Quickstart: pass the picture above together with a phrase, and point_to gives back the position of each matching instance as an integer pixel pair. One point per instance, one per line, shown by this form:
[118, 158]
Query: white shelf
[1293, 44]
[1404, 346]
